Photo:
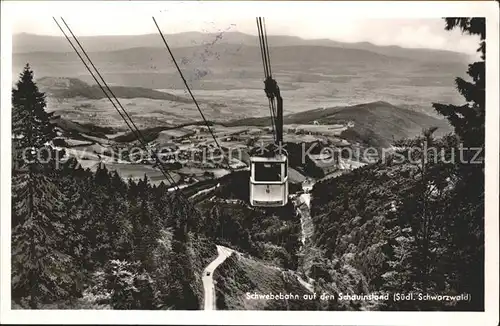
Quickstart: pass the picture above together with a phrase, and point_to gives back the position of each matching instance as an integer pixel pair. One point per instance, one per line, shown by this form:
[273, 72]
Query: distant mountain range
[23, 43]
[224, 66]
[203, 60]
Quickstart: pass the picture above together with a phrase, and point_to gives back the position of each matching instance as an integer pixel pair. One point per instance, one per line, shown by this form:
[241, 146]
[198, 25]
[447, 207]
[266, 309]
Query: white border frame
[326, 10]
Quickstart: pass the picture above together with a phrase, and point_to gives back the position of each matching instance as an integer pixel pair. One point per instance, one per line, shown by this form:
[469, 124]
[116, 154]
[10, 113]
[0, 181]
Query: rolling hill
[375, 123]
[66, 88]
[78, 101]
[77, 130]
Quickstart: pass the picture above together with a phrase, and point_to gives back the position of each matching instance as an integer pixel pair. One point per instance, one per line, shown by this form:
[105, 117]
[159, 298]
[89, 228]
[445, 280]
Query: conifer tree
[31, 126]
[39, 267]
[73, 241]
[99, 234]
[468, 119]
[181, 294]
[117, 224]
[466, 227]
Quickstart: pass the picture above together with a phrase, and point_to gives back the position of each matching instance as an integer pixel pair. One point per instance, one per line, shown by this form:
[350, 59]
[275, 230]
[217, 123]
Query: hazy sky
[291, 18]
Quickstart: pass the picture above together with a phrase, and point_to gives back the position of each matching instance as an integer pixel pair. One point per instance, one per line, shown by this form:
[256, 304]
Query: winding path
[204, 191]
[224, 252]
[303, 206]
[208, 277]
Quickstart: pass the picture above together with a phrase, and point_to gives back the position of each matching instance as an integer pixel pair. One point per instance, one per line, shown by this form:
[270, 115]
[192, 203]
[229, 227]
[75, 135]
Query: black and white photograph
[166, 157]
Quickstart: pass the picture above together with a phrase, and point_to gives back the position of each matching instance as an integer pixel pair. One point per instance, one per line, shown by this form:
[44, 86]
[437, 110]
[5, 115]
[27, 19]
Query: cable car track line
[103, 81]
[130, 124]
[91, 73]
[263, 22]
[266, 62]
[191, 93]
[134, 129]
[260, 45]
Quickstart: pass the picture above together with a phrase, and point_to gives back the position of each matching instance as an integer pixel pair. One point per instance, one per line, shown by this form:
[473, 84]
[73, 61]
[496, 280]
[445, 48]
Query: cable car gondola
[269, 181]
[269, 173]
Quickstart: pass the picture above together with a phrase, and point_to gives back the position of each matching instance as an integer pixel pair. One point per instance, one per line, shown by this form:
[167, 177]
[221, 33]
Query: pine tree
[400, 275]
[31, 126]
[181, 294]
[72, 240]
[102, 219]
[40, 270]
[468, 119]
[120, 280]
[466, 252]
[87, 222]
[148, 233]
[462, 258]
[117, 223]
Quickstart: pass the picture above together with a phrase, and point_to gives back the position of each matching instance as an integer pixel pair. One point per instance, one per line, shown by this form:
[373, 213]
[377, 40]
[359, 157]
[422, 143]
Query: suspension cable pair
[123, 113]
[266, 62]
[192, 96]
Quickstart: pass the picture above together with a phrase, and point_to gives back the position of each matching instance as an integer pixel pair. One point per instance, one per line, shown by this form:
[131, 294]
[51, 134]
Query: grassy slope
[237, 276]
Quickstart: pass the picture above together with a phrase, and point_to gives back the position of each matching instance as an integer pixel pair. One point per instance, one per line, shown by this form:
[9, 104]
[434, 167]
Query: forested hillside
[91, 240]
[413, 222]
[404, 229]
[81, 238]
